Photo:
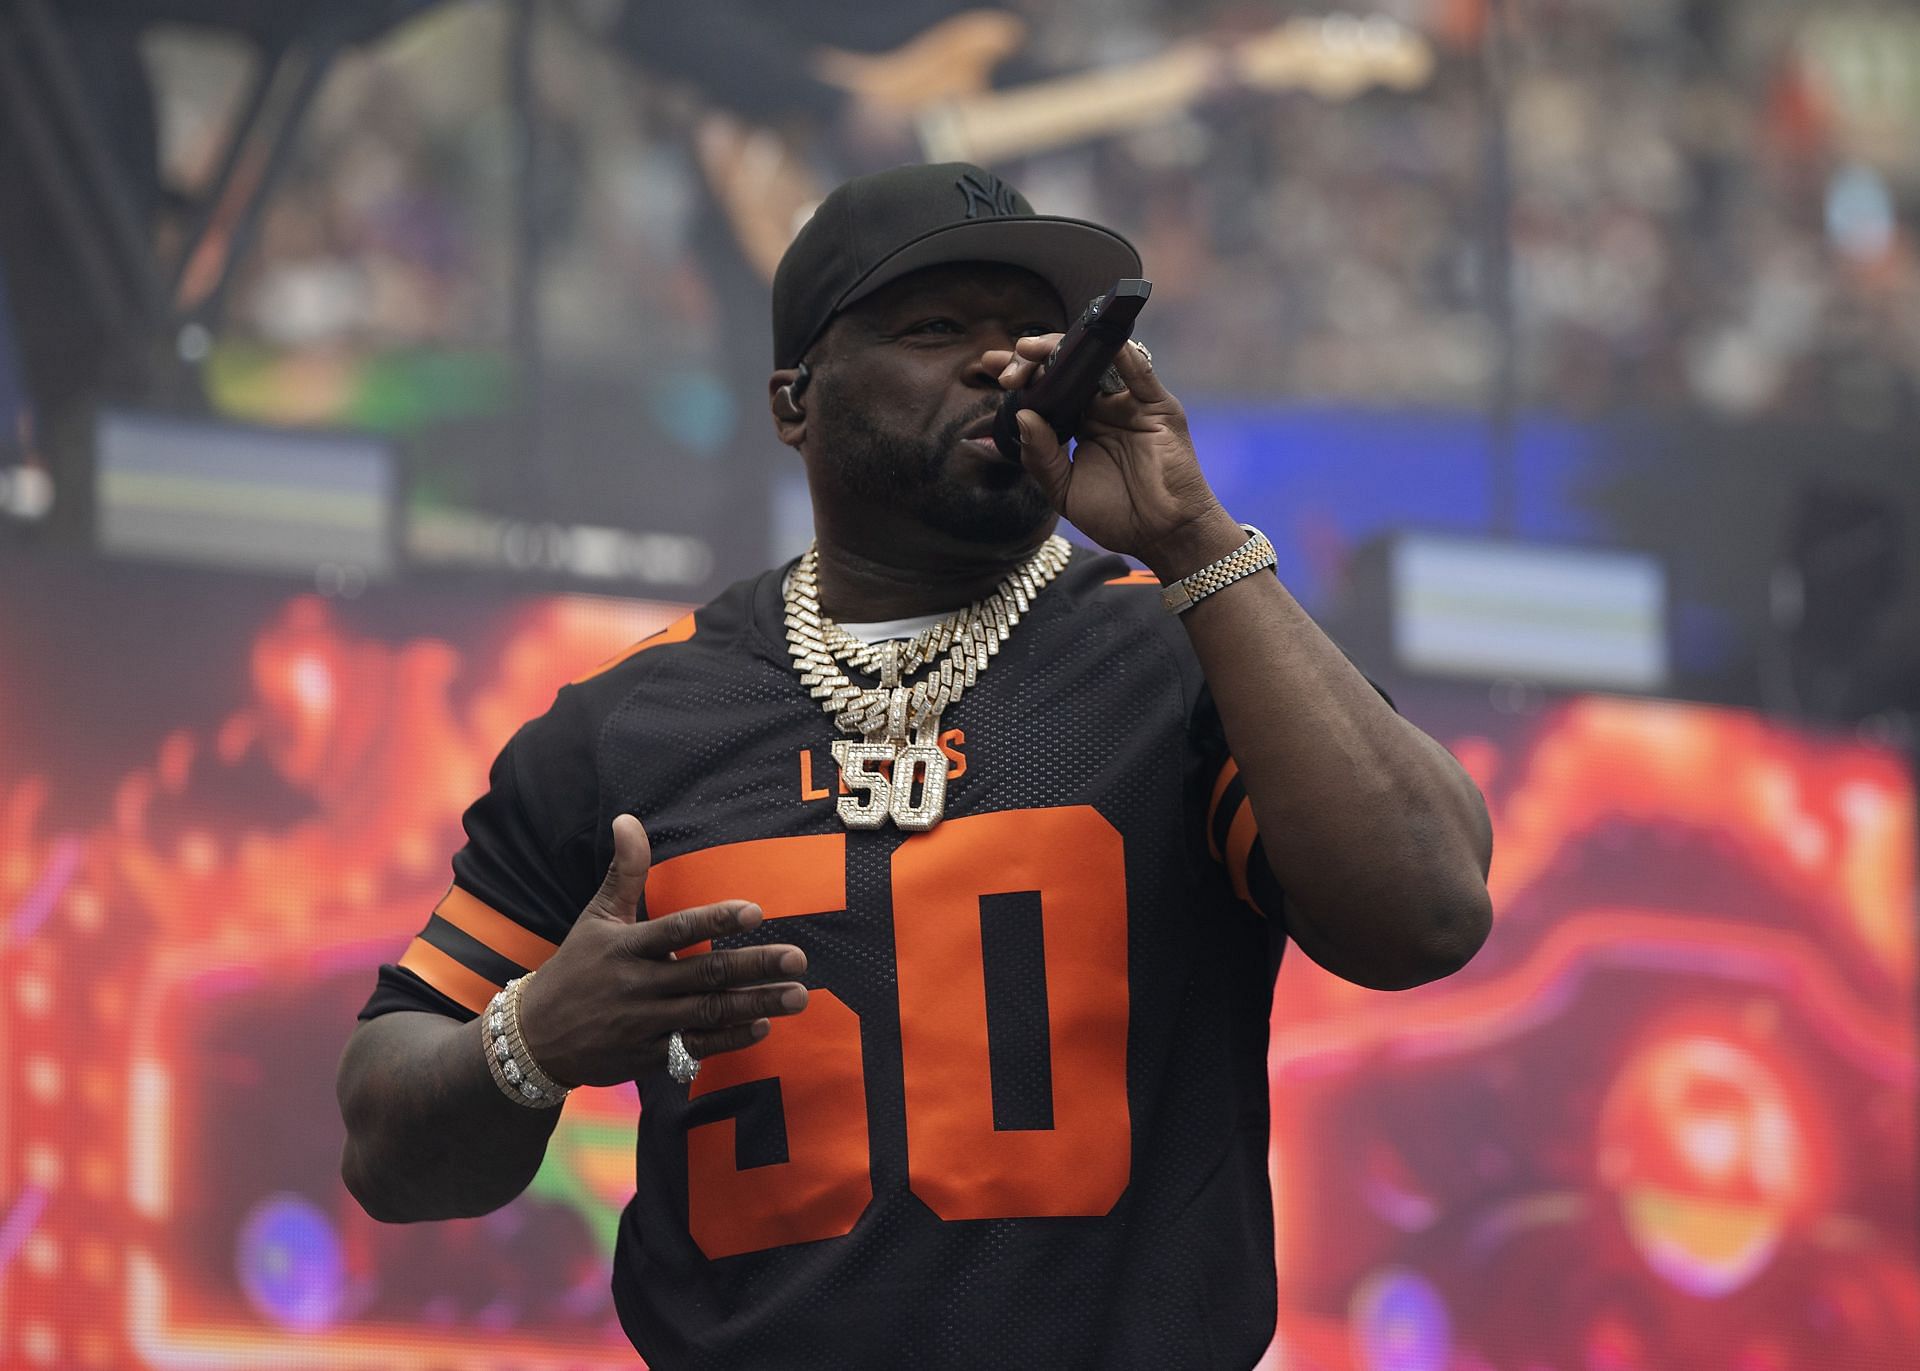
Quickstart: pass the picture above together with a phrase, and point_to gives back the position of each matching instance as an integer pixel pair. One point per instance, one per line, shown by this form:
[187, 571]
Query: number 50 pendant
[881, 781]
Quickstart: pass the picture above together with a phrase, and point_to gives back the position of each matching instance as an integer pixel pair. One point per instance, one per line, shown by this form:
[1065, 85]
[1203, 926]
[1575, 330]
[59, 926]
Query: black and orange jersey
[1023, 1119]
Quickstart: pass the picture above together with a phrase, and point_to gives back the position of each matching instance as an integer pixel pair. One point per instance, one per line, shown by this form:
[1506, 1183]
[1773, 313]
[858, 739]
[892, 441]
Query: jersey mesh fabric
[1095, 700]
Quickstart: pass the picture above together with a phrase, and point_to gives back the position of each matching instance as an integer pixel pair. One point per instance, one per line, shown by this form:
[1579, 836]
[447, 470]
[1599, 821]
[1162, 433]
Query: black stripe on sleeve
[470, 952]
[1231, 799]
[399, 989]
[1261, 885]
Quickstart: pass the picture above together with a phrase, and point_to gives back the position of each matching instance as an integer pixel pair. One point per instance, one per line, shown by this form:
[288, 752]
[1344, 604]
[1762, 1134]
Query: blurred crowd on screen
[1713, 204]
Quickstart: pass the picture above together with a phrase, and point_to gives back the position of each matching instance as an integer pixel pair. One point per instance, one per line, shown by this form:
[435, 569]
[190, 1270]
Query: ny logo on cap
[987, 195]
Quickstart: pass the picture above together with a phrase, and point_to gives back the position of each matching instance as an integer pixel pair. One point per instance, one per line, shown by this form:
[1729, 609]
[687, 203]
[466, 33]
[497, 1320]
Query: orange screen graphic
[1666, 1120]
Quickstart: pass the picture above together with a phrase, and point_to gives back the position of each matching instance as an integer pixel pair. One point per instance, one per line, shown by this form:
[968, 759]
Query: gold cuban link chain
[899, 725]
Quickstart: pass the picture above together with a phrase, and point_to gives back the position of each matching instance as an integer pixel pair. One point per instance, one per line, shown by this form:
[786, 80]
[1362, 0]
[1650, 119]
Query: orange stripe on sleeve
[676, 632]
[490, 927]
[1227, 773]
[1135, 578]
[1239, 845]
[447, 976]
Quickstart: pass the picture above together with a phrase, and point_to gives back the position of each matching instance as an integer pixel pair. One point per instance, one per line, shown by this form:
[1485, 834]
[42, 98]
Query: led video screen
[1666, 1120]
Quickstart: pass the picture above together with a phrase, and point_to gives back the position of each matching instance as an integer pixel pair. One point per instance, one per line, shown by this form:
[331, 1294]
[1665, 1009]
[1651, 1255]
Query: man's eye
[935, 326]
[1037, 330]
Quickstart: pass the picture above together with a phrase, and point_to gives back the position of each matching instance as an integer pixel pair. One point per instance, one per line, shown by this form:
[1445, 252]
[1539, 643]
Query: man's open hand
[602, 1007]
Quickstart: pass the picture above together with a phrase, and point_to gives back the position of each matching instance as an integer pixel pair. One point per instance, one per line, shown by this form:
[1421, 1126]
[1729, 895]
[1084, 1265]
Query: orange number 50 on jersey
[958, 1163]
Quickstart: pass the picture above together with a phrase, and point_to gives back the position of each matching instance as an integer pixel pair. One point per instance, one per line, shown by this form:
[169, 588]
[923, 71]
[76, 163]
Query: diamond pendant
[888, 780]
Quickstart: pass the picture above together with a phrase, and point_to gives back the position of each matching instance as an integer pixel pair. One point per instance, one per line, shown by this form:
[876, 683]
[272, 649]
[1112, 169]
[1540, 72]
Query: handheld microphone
[1071, 377]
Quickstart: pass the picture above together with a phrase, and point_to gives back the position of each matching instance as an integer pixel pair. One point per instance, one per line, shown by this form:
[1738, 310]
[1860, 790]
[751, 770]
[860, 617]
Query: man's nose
[979, 372]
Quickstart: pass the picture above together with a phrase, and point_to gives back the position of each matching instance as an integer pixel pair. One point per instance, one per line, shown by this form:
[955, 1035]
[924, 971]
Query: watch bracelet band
[1256, 554]
[520, 1079]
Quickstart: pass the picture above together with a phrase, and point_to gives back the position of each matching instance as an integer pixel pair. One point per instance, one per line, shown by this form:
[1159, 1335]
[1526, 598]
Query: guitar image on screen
[939, 83]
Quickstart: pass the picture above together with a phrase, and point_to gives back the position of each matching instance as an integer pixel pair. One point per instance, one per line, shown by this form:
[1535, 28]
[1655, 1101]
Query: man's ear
[786, 396]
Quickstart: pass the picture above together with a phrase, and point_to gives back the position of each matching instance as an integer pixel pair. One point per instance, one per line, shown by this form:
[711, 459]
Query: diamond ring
[682, 1065]
[1110, 382]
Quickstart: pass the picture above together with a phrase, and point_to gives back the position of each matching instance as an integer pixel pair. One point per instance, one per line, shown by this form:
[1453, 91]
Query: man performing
[931, 888]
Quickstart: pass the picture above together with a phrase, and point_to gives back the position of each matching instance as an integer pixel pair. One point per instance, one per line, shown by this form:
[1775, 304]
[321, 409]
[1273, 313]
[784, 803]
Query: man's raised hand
[1132, 483]
[599, 1012]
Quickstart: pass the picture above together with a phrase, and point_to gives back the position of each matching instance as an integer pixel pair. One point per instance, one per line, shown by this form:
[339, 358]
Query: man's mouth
[981, 433]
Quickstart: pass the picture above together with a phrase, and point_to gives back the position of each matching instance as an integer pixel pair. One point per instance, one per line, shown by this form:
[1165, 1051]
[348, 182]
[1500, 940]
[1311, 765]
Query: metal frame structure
[152, 300]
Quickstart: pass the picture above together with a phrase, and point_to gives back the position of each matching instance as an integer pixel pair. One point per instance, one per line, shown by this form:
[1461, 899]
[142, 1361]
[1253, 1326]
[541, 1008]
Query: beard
[914, 474]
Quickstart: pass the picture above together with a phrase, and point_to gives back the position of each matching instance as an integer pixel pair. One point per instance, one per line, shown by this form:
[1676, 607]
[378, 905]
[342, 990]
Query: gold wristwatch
[1256, 554]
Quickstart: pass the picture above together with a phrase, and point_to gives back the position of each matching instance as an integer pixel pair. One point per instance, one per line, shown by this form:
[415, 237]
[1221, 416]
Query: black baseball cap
[875, 229]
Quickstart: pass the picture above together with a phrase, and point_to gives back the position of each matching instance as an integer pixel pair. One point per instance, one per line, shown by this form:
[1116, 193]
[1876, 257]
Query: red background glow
[1666, 1120]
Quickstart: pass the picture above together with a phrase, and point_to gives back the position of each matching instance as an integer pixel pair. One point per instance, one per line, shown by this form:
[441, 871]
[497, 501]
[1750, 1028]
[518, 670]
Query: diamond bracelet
[513, 1067]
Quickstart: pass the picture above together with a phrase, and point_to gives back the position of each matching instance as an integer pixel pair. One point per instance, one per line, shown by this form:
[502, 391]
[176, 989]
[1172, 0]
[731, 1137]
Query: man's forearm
[429, 1135]
[1376, 833]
